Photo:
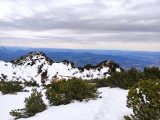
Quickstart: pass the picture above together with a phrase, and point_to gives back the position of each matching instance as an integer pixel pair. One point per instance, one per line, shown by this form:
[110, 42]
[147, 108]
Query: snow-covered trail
[112, 106]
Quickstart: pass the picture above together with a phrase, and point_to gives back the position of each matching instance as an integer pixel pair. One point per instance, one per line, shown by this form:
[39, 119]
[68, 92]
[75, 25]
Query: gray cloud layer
[71, 21]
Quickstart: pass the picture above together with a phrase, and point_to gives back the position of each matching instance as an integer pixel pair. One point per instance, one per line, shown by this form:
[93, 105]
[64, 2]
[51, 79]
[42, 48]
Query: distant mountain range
[126, 59]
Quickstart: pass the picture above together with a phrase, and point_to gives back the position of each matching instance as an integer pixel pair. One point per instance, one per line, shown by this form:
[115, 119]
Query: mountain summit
[1, 47]
[32, 58]
[37, 66]
[4, 50]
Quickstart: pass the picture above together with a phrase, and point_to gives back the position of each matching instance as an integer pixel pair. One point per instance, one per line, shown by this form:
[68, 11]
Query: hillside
[37, 66]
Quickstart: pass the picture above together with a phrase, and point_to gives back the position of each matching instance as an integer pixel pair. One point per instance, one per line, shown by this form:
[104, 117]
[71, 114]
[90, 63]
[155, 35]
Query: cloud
[79, 23]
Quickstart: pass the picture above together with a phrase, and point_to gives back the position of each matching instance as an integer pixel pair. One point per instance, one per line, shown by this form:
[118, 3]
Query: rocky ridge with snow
[37, 66]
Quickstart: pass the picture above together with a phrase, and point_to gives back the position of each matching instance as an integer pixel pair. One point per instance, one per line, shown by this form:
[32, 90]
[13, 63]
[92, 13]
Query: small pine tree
[33, 105]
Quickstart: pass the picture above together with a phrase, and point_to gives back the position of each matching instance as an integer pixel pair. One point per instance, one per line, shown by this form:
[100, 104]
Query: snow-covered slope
[37, 66]
[112, 106]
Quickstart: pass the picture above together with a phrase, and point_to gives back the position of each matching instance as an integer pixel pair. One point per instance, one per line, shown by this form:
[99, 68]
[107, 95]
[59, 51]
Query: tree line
[126, 79]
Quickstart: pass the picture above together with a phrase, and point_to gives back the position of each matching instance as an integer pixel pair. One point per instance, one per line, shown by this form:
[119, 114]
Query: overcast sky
[82, 24]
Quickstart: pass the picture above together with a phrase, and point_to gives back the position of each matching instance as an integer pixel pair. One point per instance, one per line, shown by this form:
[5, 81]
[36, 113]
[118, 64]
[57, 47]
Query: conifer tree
[144, 99]
[33, 105]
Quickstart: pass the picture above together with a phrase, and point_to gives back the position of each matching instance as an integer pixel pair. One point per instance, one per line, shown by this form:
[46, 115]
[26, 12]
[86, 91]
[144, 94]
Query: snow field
[112, 106]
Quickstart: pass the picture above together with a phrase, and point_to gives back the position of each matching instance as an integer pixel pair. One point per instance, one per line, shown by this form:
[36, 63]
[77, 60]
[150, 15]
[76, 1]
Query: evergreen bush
[31, 83]
[33, 105]
[126, 79]
[64, 92]
[152, 72]
[144, 99]
[11, 87]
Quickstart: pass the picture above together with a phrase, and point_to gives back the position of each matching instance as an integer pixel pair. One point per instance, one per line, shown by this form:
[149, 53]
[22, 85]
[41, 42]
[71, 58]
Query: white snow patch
[118, 70]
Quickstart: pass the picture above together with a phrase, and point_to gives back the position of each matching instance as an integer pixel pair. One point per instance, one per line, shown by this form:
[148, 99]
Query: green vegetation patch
[11, 87]
[65, 92]
[33, 104]
[126, 79]
[144, 99]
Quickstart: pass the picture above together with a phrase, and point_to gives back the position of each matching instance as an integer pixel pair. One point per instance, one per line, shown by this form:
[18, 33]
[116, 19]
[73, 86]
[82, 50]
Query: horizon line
[78, 48]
